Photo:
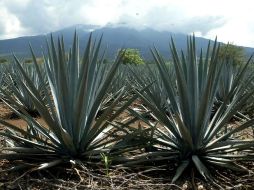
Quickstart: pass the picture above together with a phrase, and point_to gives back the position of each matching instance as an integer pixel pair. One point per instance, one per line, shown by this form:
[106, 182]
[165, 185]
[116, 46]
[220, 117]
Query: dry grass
[64, 177]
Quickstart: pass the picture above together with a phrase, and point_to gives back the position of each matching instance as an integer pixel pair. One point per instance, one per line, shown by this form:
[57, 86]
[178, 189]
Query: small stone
[185, 186]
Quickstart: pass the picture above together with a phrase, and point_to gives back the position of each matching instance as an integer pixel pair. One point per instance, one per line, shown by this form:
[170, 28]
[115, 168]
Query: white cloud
[229, 20]
[10, 25]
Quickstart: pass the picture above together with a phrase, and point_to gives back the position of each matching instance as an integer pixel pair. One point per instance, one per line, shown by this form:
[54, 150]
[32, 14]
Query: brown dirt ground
[6, 113]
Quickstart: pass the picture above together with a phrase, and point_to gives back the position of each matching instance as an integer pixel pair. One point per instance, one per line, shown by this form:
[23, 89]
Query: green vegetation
[232, 53]
[30, 60]
[131, 56]
[3, 60]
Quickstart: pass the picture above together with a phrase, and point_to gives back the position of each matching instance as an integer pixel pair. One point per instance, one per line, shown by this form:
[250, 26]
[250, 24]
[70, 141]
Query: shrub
[131, 56]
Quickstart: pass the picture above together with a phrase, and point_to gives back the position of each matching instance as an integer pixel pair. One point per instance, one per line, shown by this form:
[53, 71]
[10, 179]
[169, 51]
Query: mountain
[114, 38]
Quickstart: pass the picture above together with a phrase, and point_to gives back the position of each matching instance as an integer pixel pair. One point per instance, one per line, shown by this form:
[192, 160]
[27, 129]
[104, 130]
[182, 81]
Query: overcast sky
[230, 20]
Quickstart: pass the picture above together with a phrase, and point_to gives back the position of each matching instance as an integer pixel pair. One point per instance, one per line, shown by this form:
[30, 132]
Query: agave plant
[2, 75]
[78, 88]
[248, 109]
[226, 81]
[2, 79]
[116, 86]
[15, 91]
[151, 77]
[120, 79]
[191, 135]
[229, 73]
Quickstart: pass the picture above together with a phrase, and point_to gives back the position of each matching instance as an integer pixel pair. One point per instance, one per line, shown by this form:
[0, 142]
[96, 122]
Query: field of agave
[194, 113]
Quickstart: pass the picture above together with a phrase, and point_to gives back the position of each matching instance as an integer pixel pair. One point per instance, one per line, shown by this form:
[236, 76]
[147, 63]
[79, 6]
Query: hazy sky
[230, 20]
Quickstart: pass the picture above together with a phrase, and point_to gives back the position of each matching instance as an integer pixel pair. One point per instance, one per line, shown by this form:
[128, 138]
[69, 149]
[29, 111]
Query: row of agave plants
[186, 107]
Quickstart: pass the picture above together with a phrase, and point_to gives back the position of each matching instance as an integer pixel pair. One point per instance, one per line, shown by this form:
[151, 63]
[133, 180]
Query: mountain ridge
[113, 37]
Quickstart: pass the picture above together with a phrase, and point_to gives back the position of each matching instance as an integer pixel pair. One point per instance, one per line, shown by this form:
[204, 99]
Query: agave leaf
[44, 85]
[27, 156]
[168, 88]
[180, 170]
[218, 159]
[230, 166]
[22, 140]
[48, 165]
[25, 133]
[98, 127]
[201, 167]
[24, 150]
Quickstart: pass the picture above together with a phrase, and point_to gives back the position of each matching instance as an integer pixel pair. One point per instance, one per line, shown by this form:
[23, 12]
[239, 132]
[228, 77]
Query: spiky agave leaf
[249, 106]
[118, 82]
[78, 88]
[226, 81]
[2, 73]
[15, 91]
[144, 75]
[3, 82]
[189, 134]
[229, 73]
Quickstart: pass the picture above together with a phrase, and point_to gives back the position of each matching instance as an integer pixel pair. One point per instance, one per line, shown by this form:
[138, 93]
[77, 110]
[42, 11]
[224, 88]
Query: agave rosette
[191, 134]
[15, 90]
[73, 129]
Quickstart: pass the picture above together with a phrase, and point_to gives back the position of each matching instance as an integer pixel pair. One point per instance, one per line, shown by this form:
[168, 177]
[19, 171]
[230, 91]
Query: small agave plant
[73, 132]
[15, 92]
[151, 77]
[191, 135]
[226, 81]
[2, 76]
[229, 73]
